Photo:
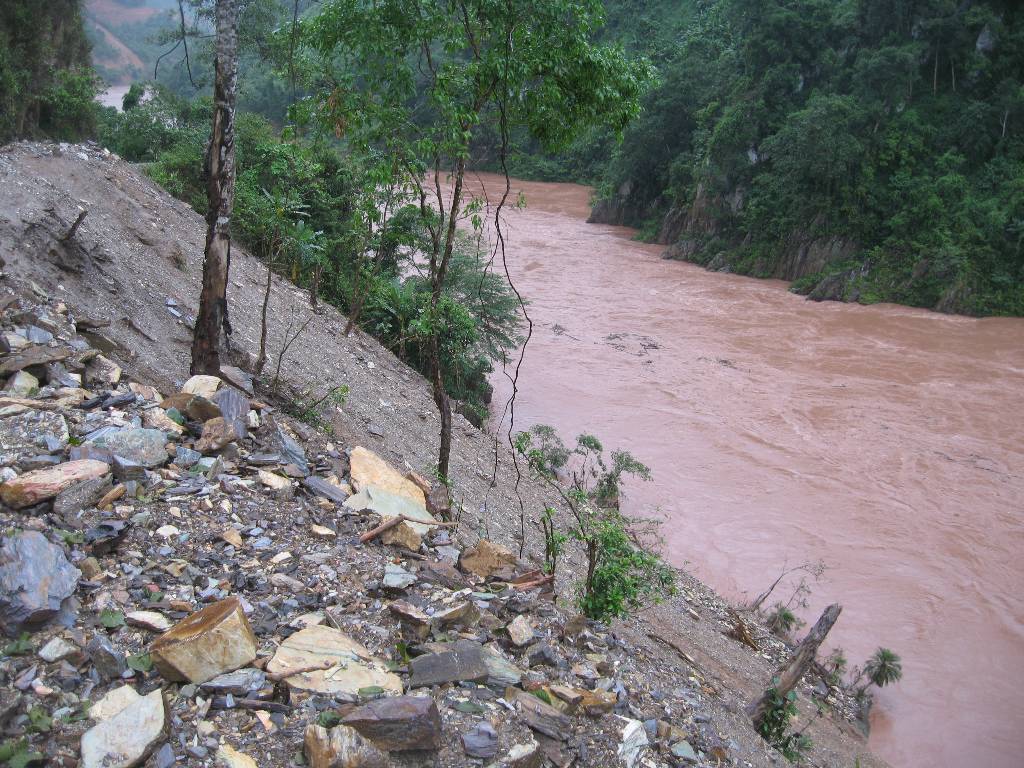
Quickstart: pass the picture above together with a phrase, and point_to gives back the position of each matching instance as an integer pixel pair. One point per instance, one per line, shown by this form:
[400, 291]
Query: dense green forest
[350, 114]
[871, 150]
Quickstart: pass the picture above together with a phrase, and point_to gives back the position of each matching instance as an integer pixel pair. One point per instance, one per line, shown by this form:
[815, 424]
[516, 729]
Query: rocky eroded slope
[189, 576]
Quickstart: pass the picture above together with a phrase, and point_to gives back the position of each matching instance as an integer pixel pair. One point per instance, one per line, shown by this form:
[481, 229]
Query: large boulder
[486, 558]
[147, 447]
[39, 485]
[217, 434]
[348, 665]
[369, 469]
[35, 579]
[461, 662]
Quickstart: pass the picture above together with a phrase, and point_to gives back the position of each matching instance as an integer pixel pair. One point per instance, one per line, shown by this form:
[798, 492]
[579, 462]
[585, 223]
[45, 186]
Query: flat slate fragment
[399, 722]
[321, 487]
[464, 662]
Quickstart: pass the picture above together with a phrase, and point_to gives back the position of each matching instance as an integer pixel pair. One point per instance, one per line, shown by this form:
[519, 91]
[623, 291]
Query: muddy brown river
[884, 440]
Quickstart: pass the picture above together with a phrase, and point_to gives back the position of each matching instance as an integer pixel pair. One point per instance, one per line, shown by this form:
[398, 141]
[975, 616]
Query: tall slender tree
[418, 79]
[220, 195]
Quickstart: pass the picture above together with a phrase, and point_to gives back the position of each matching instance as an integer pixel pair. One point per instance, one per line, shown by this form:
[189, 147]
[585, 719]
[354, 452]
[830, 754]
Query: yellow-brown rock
[217, 434]
[485, 557]
[204, 386]
[368, 469]
[348, 664]
[341, 747]
[208, 643]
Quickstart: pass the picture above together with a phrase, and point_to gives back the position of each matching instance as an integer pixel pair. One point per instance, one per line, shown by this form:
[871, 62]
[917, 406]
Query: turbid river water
[886, 441]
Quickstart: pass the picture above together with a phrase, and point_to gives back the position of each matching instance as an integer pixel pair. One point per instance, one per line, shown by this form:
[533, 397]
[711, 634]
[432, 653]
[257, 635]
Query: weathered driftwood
[741, 632]
[790, 673]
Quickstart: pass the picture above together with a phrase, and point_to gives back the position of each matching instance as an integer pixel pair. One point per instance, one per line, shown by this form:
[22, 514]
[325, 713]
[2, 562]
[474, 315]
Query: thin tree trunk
[261, 360]
[220, 193]
[935, 73]
[444, 405]
[314, 287]
[790, 673]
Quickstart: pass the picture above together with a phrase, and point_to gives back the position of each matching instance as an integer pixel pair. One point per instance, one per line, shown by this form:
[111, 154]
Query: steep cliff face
[623, 209]
[46, 86]
[702, 232]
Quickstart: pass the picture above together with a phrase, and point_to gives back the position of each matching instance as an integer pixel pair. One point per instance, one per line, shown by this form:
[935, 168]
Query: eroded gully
[884, 440]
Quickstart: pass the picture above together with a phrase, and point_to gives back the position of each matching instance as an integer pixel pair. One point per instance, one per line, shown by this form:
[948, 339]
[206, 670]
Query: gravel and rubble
[187, 577]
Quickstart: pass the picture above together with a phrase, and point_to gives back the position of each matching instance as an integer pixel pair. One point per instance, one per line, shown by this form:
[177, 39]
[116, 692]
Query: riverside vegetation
[869, 150]
[349, 201]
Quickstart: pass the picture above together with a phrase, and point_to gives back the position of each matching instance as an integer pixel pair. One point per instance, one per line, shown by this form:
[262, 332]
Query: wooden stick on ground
[277, 677]
[791, 672]
[389, 524]
[539, 582]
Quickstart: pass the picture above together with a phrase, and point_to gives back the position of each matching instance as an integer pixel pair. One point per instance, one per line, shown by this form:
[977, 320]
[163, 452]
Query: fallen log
[787, 677]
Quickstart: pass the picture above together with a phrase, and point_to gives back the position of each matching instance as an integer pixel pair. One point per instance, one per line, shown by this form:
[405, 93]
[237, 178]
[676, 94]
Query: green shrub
[782, 620]
[620, 574]
[775, 724]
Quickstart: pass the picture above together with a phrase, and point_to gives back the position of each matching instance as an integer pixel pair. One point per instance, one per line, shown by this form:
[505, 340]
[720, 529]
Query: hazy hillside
[122, 34]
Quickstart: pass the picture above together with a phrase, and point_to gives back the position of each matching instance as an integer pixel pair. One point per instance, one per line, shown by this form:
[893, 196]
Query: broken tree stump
[790, 673]
[82, 213]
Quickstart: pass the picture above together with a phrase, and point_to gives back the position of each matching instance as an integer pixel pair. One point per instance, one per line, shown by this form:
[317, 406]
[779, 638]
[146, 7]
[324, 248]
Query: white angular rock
[127, 738]
[351, 665]
[151, 620]
[632, 742]
[204, 386]
[58, 648]
[519, 631]
[22, 384]
[113, 702]
[274, 481]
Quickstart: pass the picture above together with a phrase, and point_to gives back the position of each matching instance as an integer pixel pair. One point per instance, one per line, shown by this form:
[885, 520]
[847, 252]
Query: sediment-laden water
[886, 441]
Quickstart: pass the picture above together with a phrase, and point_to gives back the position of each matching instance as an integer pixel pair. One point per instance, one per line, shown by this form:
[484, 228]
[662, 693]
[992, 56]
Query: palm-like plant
[883, 667]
